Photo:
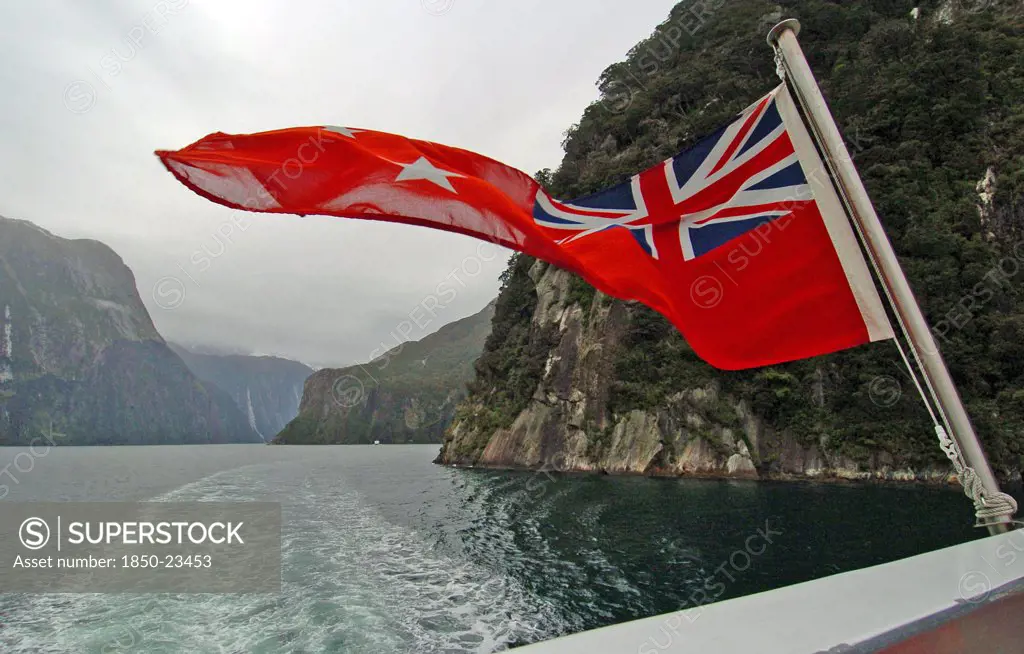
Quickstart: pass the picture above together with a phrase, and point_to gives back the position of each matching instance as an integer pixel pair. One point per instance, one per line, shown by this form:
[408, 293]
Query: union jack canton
[742, 176]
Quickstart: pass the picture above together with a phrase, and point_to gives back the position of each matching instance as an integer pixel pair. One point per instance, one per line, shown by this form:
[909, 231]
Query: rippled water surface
[385, 552]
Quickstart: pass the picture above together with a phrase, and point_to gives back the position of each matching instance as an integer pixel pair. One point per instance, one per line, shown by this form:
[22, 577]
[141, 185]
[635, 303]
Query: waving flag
[740, 241]
[743, 176]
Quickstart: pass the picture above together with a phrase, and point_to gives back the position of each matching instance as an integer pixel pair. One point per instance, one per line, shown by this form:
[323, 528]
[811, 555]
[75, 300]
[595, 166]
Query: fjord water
[385, 552]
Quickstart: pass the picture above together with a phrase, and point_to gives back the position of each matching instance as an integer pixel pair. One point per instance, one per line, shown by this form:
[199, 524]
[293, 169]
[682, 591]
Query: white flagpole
[783, 39]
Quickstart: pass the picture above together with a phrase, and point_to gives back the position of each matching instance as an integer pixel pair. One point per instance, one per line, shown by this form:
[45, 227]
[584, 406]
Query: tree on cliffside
[930, 97]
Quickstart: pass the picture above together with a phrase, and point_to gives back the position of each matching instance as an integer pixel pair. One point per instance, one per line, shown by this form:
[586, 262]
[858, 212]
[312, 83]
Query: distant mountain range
[267, 389]
[80, 360]
[407, 395]
[81, 363]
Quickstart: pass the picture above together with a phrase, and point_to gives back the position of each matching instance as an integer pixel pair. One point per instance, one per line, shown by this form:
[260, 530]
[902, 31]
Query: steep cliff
[587, 413]
[931, 104]
[80, 360]
[266, 389]
[407, 395]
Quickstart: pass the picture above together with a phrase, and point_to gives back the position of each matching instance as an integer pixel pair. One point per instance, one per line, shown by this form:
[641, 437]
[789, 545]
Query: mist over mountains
[81, 360]
[266, 389]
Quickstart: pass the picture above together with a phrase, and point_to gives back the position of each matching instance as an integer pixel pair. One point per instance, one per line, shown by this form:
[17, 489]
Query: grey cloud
[504, 79]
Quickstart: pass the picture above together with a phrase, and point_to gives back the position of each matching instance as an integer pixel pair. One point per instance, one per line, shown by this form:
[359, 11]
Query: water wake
[352, 582]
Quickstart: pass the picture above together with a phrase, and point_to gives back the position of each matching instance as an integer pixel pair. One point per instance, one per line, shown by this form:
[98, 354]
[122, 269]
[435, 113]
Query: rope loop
[780, 64]
[988, 508]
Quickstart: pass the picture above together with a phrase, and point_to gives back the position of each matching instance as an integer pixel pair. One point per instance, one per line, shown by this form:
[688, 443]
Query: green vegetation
[930, 107]
[655, 362]
[512, 361]
[407, 395]
[580, 293]
[511, 365]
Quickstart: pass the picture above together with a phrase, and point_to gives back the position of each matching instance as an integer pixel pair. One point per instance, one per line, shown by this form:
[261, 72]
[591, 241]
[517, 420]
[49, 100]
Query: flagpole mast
[783, 39]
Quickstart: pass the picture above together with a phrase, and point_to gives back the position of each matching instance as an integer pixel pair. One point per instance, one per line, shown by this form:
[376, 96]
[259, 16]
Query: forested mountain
[930, 97]
[266, 389]
[406, 395]
[80, 360]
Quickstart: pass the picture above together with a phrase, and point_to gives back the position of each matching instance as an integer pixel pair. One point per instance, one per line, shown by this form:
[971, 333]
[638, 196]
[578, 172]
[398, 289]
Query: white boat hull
[922, 604]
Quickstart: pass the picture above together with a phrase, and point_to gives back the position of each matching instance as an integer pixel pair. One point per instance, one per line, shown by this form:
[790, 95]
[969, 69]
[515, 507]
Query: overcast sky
[90, 89]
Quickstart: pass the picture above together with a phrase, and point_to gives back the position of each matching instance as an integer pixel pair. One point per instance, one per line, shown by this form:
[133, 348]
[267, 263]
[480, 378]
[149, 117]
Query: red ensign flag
[740, 241]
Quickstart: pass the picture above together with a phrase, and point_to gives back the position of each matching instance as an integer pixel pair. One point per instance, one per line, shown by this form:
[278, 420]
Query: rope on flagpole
[988, 507]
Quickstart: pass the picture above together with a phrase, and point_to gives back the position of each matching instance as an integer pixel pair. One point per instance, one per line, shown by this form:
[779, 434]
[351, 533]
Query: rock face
[407, 395]
[571, 421]
[266, 389]
[80, 360]
[573, 380]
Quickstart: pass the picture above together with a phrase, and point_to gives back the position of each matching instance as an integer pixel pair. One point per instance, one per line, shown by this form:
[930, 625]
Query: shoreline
[949, 480]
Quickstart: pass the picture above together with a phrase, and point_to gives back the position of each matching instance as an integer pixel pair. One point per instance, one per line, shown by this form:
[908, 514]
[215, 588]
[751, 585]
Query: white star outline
[350, 132]
[422, 168]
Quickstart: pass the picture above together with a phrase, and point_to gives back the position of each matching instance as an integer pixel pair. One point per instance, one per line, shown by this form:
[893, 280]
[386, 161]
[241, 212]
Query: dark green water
[385, 552]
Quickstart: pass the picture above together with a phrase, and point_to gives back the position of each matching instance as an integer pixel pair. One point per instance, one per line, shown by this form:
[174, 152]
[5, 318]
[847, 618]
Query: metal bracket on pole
[783, 40]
